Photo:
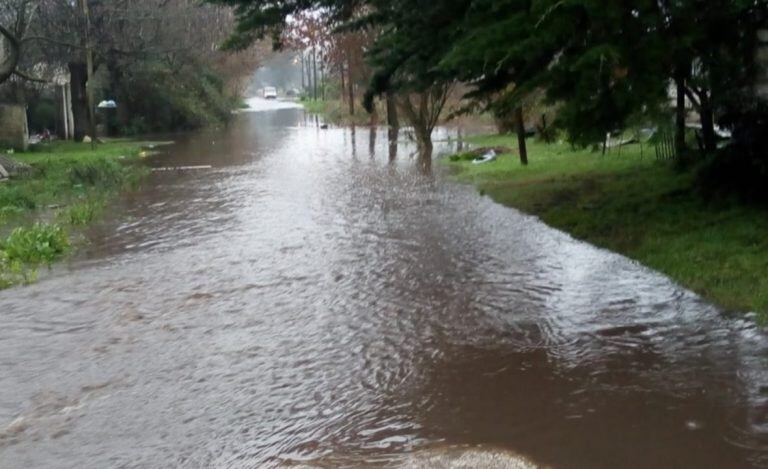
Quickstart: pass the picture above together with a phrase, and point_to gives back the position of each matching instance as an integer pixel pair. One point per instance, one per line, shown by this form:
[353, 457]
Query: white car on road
[270, 92]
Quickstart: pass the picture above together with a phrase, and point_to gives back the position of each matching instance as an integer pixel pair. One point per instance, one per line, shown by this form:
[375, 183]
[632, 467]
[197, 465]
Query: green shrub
[16, 197]
[11, 272]
[162, 99]
[38, 244]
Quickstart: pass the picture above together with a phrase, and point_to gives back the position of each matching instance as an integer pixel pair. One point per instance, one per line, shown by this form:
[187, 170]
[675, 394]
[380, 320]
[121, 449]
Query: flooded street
[308, 301]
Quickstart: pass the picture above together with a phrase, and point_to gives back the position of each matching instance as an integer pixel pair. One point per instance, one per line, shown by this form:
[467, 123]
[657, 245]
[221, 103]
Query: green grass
[69, 183]
[639, 207]
[315, 106]
[83, 213]
[336, 111]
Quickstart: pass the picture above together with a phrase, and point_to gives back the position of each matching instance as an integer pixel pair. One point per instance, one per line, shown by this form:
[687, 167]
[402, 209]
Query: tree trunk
[303, 77]
[343, 83]
[64, 115]
[12, 51]
[117, 119]
[392, 118]
[314, 74]
[520, 126]
[322, 79]
[78, 73]
[350, 89]
[70, 115]
[89, 71]
[680, 116]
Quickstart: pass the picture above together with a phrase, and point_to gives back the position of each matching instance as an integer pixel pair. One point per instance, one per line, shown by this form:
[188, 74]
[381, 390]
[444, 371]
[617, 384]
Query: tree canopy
[603, 62]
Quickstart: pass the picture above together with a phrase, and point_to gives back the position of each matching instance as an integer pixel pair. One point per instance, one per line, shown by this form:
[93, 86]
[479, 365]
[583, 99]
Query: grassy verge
[632, 204]
[337, 112]
[66, 188]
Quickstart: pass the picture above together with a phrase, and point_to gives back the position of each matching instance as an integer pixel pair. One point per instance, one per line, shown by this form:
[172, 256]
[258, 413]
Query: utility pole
[89, 66]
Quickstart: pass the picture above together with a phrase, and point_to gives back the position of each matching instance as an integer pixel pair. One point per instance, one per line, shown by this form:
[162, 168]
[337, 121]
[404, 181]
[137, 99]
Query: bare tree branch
[28, 77]
[51, 41]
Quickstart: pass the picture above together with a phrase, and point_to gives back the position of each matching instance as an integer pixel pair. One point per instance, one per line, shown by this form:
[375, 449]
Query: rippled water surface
[309, 301]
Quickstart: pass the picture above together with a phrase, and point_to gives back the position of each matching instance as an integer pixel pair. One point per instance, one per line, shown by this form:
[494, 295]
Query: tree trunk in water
[708, 125]
[680, 117]
[424, 143]
[78, 73]
[520, 125]
[372, 142]
[392, 136]
[392, 119]
[425, 153]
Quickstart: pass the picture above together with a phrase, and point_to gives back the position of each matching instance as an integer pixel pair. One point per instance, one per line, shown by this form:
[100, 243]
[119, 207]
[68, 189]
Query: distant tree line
[159, 60]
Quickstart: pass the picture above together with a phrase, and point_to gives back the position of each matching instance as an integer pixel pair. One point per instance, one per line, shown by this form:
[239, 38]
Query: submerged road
[308, 301]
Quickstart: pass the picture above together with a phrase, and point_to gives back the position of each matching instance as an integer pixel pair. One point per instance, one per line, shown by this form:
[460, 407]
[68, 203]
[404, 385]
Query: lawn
[336, 111]
[66, 188]
[632, 204]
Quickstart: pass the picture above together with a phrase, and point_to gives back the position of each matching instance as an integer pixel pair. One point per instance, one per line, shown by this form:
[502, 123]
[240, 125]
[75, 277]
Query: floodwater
[311, 301]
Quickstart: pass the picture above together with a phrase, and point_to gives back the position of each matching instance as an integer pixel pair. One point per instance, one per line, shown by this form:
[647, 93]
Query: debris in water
[694, 425]
[485, 158]
[182, 168]
[458, 458]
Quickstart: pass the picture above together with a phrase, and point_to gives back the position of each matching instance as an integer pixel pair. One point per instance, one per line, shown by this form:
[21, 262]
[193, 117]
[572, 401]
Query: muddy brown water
[307, 301]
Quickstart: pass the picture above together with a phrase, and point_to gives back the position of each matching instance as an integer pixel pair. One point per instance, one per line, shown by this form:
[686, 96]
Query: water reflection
[293, 305]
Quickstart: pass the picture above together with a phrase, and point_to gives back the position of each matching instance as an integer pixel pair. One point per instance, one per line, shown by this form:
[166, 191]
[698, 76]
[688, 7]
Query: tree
[16, 17]
[309, 33]
[159, 59]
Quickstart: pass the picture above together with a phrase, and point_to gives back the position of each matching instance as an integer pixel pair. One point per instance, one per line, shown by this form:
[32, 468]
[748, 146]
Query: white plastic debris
[486, 158]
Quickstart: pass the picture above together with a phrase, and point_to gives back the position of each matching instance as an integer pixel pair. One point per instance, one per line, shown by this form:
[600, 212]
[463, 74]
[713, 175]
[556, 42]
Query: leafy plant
[11, 272]
[39, 244]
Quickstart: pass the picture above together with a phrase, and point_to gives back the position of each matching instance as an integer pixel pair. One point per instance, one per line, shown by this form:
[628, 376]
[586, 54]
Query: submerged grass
[630, 203]
[336, 112]
[69, 183]
[83, 213]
